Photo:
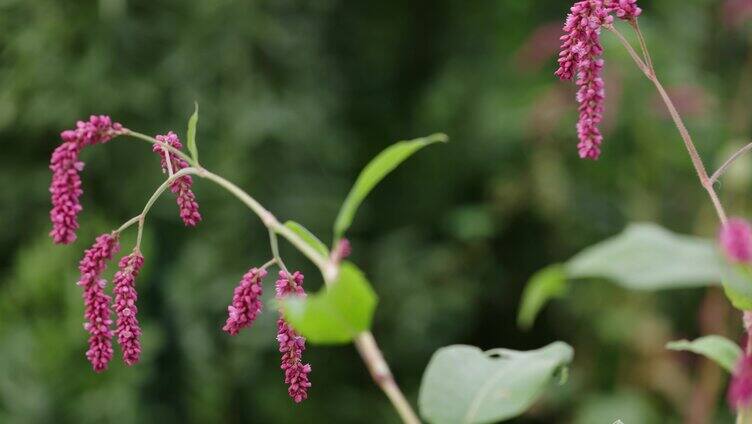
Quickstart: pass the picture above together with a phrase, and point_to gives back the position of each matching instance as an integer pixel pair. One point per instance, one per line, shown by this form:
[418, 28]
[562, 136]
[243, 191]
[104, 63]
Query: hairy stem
[365, 342]
[717, 174]
[686, 137]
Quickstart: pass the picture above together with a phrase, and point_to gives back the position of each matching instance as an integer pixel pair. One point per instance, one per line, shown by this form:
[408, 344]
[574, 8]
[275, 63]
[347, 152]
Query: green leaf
[463, 384]
[546, 284]
[737, 284]
[374, 172]
[192, 122]
[308, 237]
[337, 314]
[717, 348]
[648, 257]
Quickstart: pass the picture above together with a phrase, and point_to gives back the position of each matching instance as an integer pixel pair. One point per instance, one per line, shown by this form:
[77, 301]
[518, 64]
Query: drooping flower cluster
[65, 188]
[181, 187]
[245, 307]
[246, 302]
[580, 57]
[736, 240]
[291, 344]
[740, 389]
[128, 330]
[97, 303]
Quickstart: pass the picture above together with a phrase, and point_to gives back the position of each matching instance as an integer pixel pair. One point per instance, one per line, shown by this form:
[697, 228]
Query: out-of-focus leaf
[463, 384]
[648, 257]
[335, 314]
[547, 283]
[621, 407]
[721, 350]
[308, 237]
[374, 172]
[737, 284]
[192, 122]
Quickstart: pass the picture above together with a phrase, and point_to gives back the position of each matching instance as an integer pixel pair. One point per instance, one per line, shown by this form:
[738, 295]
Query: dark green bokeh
[296, 96]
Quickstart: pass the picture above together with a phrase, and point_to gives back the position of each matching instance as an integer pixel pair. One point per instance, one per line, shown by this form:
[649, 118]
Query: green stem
[128, 224]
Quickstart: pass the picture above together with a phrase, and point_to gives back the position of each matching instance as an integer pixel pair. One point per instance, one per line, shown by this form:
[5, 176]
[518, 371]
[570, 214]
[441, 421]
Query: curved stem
[155, 196]
[717, 174]
[275, 251]
[686, 137]
[128, 223]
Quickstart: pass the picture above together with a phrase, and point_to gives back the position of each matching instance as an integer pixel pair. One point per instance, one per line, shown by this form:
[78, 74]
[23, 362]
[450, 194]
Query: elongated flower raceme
[96, 302]
[736, 240]
[740, 389]
[291, 344]
[246, 302]
[65, 188]
[181, 187]
[580, 57]
[128, 330]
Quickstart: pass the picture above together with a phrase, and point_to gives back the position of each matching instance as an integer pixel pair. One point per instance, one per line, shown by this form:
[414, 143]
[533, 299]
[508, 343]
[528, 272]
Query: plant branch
[717, 174]
[364, 342]
[128, 223]
[275, 251]
[686, 137]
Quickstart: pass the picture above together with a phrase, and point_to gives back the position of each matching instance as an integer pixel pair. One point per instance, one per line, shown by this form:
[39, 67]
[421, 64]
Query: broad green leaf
[308, 237]
[717, 348]
[335, 314]
[737, 284]
[648, 257]
[192, 122]
[374, 172]
[547, 283]
[464, 385]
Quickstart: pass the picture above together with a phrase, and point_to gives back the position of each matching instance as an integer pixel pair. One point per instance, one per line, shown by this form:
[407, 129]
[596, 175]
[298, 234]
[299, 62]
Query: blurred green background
[296, 96]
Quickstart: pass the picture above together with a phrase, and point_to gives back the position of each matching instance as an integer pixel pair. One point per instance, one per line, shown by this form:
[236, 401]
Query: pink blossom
[291, 344]
[624, 9]
[736, 240]
[96, 302]
[342, 250]
[181, 187]
[580, 56]
[740, 389]
[128, 330]
[246, 302]
[65, 188]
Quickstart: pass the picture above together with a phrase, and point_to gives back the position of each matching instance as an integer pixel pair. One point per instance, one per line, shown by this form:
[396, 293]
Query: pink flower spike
[128, 330]
[65, 191]
[181, 187]
[291, 344]
[246, 302]
[740, 389]
[580, 56]
[96, 302]
[736, 240]
[65, 188]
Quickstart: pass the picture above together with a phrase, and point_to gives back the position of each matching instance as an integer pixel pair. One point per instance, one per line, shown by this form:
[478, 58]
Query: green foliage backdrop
[296, 96]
